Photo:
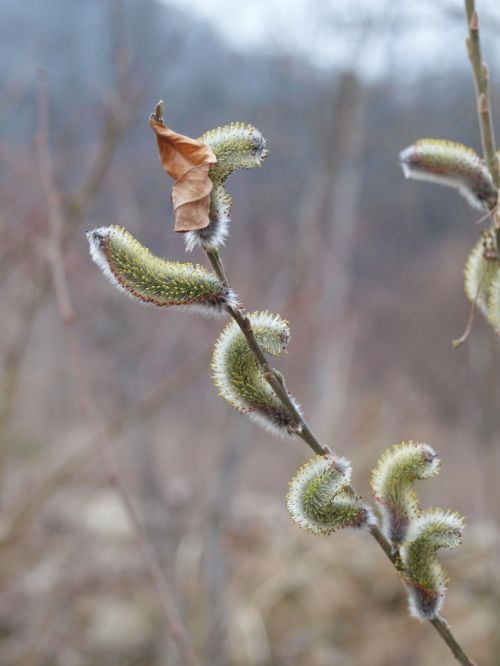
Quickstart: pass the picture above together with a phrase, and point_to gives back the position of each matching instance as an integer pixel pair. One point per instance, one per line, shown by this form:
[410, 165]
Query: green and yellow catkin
[482, 278]
[320, 499]
[392, 485]
[453, 164]
[422, 571]
[236, 146]
[133, 269]
[239, 377]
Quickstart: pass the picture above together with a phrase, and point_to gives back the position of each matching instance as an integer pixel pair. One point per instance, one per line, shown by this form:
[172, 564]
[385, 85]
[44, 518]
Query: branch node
[482, 103]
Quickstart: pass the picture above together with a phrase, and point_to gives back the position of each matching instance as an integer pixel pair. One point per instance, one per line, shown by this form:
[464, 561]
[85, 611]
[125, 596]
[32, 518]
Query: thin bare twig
[481, 80]
[472, 315]
[174, 623]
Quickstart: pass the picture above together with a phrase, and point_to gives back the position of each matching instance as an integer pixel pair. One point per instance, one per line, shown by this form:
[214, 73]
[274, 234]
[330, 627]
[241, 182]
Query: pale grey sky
[409, 32]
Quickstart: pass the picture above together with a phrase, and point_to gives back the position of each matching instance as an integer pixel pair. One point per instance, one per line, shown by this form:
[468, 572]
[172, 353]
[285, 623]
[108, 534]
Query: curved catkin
[239, 377]
[422, 571]
[320, 499]
[482, 280]
[133, 269]
[452, 164]
[392, 485]
[236, 146]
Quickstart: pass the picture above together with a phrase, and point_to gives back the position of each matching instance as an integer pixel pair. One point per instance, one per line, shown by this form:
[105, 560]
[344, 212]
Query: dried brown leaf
[187, 161]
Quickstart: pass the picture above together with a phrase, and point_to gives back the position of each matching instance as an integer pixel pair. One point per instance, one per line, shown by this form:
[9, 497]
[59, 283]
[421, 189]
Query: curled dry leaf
[187, 161]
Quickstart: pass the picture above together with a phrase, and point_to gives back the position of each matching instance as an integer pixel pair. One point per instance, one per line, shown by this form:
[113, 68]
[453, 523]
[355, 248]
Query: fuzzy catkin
[240, 379]
[320, 499]
[236, 146]
[422, 571]
[482, 282]
[452, 164]
[132, 268]
[392, 485]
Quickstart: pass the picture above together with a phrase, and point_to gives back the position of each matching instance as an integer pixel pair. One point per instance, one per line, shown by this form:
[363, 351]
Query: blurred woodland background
[98, 393]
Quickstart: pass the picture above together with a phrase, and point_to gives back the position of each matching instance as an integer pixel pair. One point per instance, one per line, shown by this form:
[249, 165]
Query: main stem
[481, 80]
[277, 383]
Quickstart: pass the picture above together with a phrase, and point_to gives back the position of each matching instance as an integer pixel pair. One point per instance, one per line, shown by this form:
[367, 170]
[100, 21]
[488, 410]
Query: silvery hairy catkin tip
[132, 268]
[392, 485]
[453, 164]
[422, 571]
[236, 146]
[320, 499]
[239, 377]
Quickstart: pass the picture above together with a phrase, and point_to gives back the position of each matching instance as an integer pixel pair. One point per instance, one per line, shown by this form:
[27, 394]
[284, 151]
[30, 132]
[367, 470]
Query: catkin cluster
[414, 533]
[321, 499]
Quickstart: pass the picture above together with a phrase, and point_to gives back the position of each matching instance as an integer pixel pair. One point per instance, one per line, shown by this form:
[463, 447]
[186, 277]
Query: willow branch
[272, 376]
[481, 81]
[277, 383]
